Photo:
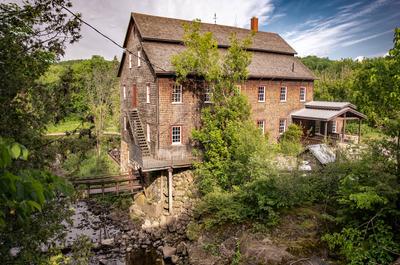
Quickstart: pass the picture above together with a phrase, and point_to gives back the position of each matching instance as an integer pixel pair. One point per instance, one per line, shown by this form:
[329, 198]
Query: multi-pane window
[177, 94]
[148, 132]
[148, 93]
[130, 60]
[207, 94]
[176, 134]
[124, 91]
[124, 121]
[282, 125]
[283, 94]
[334, 126]
[317, 127]
[261, 94]
[261, 125]
[139, 58]
[303, 92]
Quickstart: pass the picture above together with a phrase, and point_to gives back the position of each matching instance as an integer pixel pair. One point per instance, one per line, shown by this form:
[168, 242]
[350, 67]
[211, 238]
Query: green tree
[228, 142]
[33, 35]
[101, 89]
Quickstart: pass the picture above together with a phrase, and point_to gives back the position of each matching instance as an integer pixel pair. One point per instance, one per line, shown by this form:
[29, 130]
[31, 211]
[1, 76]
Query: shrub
[290, 141]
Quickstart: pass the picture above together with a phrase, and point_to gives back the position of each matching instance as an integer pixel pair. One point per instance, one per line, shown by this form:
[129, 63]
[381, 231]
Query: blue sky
[335, 29]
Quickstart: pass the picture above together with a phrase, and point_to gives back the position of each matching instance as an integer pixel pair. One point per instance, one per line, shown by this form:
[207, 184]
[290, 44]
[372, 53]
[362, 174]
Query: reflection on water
[144, 257]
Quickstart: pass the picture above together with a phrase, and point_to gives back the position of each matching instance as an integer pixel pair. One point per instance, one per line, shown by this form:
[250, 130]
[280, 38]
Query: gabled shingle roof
[263, 64]
[162, 38]
[171, 30]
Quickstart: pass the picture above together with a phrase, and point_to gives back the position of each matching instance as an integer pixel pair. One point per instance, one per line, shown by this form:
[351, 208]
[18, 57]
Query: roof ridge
[205, 23]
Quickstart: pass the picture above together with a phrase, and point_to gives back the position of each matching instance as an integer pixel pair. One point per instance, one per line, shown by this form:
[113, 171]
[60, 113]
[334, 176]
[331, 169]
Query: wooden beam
[170, 190]
[326, 131]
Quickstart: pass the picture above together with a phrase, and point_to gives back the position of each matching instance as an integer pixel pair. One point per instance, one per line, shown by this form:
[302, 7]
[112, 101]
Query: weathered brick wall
[187, 114]
[272, 110]
[139, 76]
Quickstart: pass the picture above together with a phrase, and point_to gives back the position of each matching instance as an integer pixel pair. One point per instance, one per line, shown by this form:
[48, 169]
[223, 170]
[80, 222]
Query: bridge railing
[109, 184]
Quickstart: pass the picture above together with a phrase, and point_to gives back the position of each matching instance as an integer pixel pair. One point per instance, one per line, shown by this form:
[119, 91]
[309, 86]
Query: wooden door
[134, 96]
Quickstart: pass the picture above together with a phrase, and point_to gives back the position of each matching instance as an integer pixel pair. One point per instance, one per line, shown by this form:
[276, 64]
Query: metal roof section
[325, 114]
[329, 105]
[323, 153]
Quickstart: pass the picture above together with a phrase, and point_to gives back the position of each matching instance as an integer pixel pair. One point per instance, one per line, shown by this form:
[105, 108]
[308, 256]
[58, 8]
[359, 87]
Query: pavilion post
[344, 127]
[326, 131]
[359, 130]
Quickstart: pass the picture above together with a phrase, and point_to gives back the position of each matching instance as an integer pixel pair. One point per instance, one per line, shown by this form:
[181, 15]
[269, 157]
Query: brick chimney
[254, 24]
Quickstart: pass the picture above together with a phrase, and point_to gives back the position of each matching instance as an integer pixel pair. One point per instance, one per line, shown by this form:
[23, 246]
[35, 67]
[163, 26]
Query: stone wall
[152, 205]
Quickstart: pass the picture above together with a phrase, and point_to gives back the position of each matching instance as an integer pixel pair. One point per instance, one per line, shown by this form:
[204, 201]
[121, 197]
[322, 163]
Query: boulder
[174, 259]
[255, 251]
[168, 251]
[108, 242]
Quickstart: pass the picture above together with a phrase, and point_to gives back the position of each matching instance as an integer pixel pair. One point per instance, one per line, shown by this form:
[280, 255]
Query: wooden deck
[117, 185]
[151, 164]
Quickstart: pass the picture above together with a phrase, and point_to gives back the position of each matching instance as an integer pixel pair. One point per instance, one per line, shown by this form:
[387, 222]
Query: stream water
[85, 222]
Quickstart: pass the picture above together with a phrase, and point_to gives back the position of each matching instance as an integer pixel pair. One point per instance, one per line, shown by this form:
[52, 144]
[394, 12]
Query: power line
[108, 38]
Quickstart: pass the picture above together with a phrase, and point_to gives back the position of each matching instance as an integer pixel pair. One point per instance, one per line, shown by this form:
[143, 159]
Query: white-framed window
[261, 94]
[303, 93]
[130, 60]
[147, 92]
[129, 154]
[334, 126]
[207, 94]
[125, 125]
[176, 136]
[283, 94]
[124, 91]
[318, 127]
[148, 132]
[282, 126]
[261, 125]
[177, 93]
[139, 58]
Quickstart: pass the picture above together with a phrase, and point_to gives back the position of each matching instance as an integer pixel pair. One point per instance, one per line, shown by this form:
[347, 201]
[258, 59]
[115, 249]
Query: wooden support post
[359, 130]
[326, 131]
[344, 127]
[162, 186]
[170, 190]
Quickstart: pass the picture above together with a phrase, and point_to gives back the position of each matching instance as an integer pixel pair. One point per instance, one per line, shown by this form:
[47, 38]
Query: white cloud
[320, 36]
[112, 17]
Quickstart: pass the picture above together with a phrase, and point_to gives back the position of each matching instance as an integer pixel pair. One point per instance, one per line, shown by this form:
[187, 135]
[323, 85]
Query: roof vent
[254, 24]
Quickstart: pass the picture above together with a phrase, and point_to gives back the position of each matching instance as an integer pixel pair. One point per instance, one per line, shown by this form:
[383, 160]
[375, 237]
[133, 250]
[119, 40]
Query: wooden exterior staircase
[138, 132]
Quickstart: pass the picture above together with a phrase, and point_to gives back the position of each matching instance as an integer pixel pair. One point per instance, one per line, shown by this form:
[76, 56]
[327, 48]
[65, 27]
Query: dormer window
[283, 94]
[130, 60]
[124, 91]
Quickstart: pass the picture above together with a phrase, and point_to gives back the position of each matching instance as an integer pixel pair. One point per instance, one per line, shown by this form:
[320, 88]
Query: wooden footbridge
[113, 184]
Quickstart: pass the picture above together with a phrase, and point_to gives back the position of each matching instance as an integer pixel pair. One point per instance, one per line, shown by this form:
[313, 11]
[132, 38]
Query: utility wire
[108, 38]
